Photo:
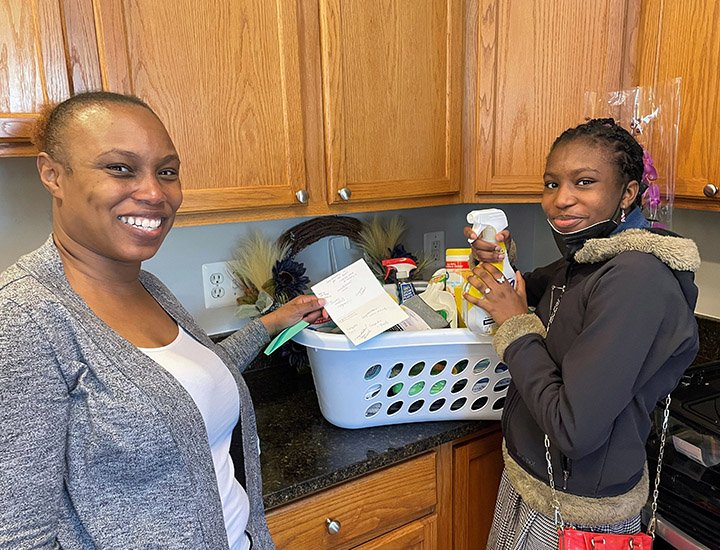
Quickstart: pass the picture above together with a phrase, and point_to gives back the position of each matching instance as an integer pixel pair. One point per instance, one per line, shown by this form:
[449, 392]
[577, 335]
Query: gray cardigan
[99, 446]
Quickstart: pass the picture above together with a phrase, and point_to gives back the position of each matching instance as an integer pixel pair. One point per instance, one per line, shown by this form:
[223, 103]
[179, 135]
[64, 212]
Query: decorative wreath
[270, 276]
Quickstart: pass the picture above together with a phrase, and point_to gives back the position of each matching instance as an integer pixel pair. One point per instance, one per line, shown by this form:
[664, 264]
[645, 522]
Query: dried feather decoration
[380, 239]
[255, 257]
[270, 276]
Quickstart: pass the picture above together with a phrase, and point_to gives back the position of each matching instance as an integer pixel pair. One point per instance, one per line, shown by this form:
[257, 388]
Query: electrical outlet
[434, 248]
[219, 285]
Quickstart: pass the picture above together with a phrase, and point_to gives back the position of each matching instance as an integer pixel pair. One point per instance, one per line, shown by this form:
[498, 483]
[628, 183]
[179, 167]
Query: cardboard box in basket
[398, 377]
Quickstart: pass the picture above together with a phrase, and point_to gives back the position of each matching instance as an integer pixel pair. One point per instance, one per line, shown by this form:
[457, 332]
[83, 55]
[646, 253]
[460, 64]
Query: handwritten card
[357, 302]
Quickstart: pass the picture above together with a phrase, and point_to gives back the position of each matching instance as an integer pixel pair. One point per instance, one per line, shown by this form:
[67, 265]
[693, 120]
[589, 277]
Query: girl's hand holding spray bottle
[495, 291]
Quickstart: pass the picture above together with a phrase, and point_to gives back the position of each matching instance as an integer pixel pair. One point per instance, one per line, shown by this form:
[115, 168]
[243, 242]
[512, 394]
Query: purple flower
[649, 172]
[290, 279]
[652, 195]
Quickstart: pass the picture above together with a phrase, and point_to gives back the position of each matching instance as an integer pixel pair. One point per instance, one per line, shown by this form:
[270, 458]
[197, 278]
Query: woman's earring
[622, 215]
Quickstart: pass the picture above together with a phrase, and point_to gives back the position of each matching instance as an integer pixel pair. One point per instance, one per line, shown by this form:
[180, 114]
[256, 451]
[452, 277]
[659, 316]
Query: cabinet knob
[710, 190]
[302, 196]
[333, 526]
[345, 193]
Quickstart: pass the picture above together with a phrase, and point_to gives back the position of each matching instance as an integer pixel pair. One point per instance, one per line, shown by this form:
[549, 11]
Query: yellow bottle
[457, 264]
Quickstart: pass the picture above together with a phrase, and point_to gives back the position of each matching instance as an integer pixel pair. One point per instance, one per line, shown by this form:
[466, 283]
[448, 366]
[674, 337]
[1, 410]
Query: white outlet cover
[219, 287]
[434, 249]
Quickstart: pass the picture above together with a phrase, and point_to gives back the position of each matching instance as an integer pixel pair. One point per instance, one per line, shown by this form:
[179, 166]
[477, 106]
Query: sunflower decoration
[380, 240]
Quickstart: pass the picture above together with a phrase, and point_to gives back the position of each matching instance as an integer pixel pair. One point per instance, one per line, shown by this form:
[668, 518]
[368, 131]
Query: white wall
[24, 209]
[704, 227]
[25, 223]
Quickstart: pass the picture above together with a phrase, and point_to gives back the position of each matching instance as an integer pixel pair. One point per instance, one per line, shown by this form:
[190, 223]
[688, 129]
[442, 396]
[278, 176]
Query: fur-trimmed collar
[576, 509]
[677, 253]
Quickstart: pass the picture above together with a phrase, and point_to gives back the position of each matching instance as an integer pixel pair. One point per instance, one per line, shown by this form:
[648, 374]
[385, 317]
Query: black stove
[690, 484]
[697, 398]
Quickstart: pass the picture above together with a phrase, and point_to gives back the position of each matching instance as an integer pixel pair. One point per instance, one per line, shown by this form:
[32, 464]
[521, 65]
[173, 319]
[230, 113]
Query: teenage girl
[611, 332]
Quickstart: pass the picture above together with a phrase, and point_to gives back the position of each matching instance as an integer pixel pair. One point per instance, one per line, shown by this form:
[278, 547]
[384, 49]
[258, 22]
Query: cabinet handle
[345, 193]
[710, 190]
[302, 196]
[333, 526]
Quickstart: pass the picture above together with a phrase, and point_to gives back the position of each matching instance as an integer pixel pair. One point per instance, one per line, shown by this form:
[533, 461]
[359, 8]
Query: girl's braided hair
[626, 151]
[48, 134]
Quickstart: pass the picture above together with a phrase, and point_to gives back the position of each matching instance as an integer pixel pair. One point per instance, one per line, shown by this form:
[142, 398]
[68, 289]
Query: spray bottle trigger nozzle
[403, 267]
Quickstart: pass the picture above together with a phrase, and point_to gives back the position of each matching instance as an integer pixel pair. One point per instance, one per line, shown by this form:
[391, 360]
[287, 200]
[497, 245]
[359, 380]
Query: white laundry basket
[397, 377]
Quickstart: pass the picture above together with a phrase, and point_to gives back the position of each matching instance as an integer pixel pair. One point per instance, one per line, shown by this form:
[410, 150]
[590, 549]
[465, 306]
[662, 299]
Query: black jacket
[622, 336]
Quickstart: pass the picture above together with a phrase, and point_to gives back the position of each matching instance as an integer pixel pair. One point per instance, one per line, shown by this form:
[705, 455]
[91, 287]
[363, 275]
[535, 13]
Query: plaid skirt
[516, 526]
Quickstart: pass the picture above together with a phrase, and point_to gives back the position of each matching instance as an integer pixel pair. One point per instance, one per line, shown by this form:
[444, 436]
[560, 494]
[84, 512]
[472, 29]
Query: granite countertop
[302, 453]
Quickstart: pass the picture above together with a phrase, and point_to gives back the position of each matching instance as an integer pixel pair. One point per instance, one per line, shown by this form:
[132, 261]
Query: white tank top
[208, 381]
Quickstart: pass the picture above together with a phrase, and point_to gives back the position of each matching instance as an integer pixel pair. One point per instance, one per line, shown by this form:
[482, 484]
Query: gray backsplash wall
[192, 244]
[25, 224]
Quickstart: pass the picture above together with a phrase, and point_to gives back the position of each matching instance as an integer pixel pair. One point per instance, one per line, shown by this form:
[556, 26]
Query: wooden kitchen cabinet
[442, 499]
[32, 68]
[261, 98]
[683, 39]
[347, 105]
[49, 51]
[227, 79]
[477, 467]
[362, 509]
[529, 65]
[392, 89]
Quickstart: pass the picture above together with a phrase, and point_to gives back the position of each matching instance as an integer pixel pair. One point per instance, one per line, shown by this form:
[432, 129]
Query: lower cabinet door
[477, 467]
[418, 535]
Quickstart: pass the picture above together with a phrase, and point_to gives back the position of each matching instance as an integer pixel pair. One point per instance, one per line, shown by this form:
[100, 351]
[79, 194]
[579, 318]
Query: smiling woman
[117, 409]
[592, 180]
[114, 178]
[611, 332]
[116, 162]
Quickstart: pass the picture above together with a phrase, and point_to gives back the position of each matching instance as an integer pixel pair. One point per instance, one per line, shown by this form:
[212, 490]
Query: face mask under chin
[570, 243]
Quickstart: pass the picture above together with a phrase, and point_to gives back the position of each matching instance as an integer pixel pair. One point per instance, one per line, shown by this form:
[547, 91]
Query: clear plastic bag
[652, 115]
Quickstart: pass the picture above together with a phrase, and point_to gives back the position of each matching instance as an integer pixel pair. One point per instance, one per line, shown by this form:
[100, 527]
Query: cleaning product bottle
[486, 224]
[440, 299]
[402, 267]
[457, 266]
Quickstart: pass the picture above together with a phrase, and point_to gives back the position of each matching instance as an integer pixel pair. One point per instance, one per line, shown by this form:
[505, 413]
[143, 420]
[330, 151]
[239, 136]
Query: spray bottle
[402, 267]
[486, 224]
[440, 299]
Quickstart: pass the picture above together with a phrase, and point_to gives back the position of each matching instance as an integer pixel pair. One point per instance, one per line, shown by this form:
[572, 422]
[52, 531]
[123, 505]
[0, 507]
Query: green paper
[285, 335]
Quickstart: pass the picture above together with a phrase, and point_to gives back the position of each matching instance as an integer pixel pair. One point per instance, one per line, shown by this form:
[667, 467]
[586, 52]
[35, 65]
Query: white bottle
[441, 301]
[486, 224]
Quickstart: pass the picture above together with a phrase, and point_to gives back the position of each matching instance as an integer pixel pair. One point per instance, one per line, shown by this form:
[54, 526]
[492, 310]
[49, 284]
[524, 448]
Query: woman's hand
[301, 308]
[484, 251]
[498, 297]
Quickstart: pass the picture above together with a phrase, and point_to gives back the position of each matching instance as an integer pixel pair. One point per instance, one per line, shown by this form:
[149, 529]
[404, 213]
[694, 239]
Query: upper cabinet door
[535, 60]
[33, 69]
[683, 39]
[392, 93]
[226, 79]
